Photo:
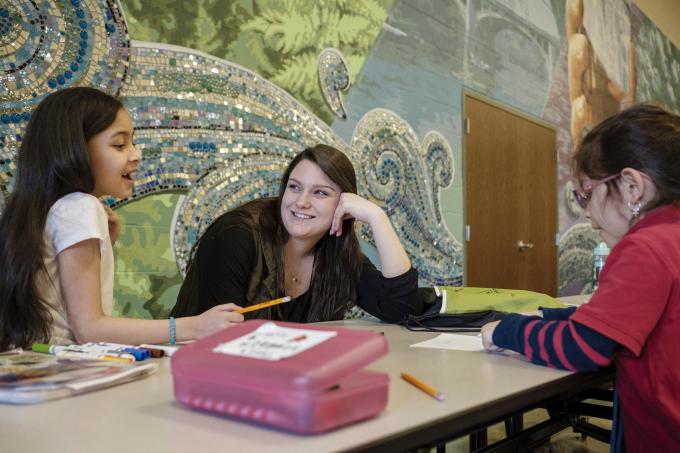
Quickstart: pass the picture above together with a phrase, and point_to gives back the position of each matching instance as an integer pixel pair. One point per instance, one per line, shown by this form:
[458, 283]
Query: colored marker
[115, 348]
[262, 305]
[423, 386]
[78, 352]
[168, 350]
[138, 353]
[154, 350]
[101, 347]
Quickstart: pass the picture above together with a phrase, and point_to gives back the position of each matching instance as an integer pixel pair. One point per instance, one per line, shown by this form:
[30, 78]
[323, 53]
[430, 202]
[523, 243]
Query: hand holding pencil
[213, 320]
[222, 316]
[262, 305]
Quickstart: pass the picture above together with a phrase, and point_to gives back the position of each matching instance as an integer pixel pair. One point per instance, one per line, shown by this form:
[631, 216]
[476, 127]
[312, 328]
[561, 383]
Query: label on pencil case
[271, 342]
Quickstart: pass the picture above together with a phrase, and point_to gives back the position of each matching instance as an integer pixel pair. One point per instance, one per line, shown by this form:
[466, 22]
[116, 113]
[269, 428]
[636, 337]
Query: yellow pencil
[423, 386]
[269, 303]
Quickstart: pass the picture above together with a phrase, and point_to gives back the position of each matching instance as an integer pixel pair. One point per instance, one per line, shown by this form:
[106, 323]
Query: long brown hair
[337, 260]
[52, 162]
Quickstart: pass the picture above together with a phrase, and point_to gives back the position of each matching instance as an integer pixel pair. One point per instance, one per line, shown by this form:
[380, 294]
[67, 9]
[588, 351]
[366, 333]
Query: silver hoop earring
[635, 208]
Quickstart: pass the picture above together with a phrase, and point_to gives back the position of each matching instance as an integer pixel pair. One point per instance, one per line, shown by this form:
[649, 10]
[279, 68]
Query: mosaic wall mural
[214, 135]
[258, 80]
[405, 177]
[279, 39]
[47, 45]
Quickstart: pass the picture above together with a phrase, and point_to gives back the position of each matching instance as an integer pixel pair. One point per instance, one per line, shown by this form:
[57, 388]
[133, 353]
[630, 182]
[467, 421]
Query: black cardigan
[223, 266]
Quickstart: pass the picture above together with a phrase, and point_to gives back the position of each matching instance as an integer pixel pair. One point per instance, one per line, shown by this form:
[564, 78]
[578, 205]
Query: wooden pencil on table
[423, 386]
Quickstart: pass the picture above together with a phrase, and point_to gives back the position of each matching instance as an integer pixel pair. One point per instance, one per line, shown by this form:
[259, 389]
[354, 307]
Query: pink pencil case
[316, 390]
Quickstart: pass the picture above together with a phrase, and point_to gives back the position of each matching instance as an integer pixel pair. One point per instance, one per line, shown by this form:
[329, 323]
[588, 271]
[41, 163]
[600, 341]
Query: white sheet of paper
[453, 341]
[271, 342]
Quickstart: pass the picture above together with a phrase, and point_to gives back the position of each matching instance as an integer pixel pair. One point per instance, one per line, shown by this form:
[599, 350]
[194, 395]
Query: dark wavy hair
[643, 137]
[52, 162]
[337, 260]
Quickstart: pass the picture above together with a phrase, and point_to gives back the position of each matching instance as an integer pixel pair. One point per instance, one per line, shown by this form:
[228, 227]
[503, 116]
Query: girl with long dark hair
[56, 255]
[302, 244]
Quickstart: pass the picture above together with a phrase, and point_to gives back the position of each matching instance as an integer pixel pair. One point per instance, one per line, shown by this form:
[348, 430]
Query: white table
[142, 416]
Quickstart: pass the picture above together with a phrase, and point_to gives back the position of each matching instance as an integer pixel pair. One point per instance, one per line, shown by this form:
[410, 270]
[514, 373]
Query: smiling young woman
[302, 244]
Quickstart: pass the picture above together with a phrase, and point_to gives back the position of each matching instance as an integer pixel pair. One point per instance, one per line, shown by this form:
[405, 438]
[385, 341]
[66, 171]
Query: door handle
[522, 246]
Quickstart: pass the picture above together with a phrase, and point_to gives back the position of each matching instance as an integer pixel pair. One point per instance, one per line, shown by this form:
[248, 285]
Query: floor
[564, 442]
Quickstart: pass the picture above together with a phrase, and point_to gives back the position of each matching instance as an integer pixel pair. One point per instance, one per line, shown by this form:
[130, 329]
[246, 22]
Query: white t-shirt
[74, 218]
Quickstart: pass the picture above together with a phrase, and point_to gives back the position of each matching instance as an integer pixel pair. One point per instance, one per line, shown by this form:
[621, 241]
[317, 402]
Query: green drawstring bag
[463, 299]
[463, 309]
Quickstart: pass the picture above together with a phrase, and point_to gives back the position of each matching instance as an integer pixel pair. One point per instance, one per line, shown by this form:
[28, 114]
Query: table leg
[478, 440]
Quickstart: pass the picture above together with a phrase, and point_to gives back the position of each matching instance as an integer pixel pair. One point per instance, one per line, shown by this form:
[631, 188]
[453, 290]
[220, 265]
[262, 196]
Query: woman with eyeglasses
[629, 173]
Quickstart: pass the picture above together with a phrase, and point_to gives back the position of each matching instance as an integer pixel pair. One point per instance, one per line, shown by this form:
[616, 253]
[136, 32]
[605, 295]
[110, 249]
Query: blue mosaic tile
[213, 130]
[52, 44]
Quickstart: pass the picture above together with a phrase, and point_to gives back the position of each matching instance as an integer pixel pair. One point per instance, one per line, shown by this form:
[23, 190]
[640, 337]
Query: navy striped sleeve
[553, 314]
[562, 344]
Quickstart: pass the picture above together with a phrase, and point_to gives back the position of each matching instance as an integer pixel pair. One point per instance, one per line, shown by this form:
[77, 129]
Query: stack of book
[29, 377]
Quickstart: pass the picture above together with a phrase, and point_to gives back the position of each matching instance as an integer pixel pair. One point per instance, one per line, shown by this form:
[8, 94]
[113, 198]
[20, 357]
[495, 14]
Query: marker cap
[41, 347]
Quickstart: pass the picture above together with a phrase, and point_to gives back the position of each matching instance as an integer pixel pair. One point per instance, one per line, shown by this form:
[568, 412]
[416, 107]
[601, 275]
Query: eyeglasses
[582, 196]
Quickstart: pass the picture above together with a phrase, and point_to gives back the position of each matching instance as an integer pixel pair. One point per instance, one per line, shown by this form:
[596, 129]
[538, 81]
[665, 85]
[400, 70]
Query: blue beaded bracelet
[172, 330]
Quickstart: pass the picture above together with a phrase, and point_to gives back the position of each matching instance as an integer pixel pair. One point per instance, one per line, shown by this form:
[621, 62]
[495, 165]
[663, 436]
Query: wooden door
[510, 199]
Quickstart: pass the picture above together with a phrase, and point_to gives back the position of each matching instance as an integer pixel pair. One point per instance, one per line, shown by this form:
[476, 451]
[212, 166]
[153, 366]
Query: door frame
[465, 93]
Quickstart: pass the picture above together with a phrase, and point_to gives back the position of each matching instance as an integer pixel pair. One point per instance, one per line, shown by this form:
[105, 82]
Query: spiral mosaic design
[46, 45]
[405, 177]
[238, 180]
[572, 206]
[440, 168]
[575, 259]
[333, 79]
[225, 134]
[214, 130]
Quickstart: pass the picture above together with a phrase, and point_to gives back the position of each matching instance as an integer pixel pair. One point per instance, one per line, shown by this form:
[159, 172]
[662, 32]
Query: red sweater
[638, 306]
